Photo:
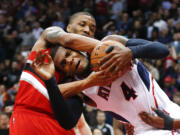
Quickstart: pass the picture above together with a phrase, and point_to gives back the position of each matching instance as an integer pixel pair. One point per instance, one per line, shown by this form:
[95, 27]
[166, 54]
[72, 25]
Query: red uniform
[32, 110]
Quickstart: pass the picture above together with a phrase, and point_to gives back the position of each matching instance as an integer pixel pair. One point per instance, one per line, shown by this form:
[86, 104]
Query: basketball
[100, 51]
[97, 53]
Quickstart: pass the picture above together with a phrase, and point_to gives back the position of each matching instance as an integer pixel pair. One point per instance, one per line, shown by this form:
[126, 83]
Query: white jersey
[130, 94]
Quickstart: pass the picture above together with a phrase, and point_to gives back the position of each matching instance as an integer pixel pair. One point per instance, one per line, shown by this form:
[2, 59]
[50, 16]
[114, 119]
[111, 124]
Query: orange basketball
[97, 53]
[100, 51]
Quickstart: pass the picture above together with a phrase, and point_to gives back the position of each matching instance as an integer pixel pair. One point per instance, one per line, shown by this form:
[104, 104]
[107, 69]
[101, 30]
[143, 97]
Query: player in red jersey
[33, 112]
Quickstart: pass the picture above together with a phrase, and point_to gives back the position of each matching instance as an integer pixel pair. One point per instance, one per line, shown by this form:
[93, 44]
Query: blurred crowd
[22, 22]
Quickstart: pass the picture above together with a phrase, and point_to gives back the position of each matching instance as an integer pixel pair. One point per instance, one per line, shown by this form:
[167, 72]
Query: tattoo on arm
[53, 34]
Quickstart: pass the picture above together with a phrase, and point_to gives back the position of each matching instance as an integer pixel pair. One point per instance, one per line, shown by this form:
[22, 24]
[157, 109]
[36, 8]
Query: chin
[85, 71]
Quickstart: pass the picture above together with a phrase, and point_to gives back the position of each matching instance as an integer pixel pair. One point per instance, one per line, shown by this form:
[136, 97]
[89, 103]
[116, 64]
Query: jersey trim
[143, 73]
[155, 100]
[36, 83]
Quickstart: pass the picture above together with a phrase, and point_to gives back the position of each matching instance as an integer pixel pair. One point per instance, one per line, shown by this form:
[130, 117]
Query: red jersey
[32, 110]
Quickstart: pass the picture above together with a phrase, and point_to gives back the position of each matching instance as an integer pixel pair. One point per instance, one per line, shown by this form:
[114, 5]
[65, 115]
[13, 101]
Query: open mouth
[78, 65]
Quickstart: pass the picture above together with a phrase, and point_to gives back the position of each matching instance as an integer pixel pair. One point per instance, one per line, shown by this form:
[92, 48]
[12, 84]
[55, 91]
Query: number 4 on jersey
[128, 93]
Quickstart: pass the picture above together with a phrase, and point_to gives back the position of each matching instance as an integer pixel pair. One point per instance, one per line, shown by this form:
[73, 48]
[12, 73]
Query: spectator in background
[153, 70]
[138, 30]
[176, 43]
[3, 96]
[160, 23]
[176, 98]
[37, 30]
[28, 38]
[124, 23]
[154, 34]
[97, 131]
[117, 8]
[4, 124]
[165, 36]
[104, 127]
[59, 22]
[90, 115]
[177, 78]
[169, 88]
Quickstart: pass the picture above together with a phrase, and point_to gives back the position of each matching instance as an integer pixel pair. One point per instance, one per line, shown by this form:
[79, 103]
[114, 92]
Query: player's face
[69, 61]
[84, 25]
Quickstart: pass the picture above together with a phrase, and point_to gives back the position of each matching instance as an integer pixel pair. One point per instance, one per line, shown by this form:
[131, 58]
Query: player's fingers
[143, 115]
[105, 58]
[49, 58]
[110, 68]
[154, 109]
[109, 49]
[109, 62]
[38, 58]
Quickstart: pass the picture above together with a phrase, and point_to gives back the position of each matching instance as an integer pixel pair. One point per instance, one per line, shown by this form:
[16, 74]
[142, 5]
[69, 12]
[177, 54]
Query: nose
[87, 30]
[69, 61]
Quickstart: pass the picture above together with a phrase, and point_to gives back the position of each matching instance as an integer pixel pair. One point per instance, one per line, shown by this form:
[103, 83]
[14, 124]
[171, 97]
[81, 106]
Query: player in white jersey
[130, 94]
[134, 92]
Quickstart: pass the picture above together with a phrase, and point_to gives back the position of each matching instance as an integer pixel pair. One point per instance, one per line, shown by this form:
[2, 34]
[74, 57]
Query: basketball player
[135, 91]
[33, 112]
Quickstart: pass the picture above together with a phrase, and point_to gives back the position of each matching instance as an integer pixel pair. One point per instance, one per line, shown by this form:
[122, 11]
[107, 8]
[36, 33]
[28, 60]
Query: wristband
[168, 121]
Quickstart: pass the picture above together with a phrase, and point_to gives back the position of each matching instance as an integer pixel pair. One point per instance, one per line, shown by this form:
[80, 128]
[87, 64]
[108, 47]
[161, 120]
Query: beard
[87, 69]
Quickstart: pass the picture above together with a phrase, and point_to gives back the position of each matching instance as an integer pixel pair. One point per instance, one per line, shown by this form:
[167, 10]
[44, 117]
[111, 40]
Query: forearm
[83, 127]
[77, 42]
[73, 88]
[176, 124]
[80, 43]
[72, 108]
[147, 49]
[142, 48]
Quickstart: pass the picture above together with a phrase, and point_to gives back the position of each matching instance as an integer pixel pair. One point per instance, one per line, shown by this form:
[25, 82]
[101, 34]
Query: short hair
[78, 14]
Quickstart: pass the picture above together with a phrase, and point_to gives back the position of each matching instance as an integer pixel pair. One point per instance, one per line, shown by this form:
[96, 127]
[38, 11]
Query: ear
[69, 28]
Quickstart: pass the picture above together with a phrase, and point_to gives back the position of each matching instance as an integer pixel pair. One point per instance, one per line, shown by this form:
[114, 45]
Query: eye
[92, 28]
[63, 63]
[68, 53]
[82, 24]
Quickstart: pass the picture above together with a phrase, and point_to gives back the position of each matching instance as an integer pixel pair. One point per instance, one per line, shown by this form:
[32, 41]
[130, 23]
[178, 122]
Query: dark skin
[156, 121]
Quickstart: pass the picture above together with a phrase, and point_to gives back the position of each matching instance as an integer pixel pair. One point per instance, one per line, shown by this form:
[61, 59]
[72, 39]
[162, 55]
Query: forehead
[84, 18]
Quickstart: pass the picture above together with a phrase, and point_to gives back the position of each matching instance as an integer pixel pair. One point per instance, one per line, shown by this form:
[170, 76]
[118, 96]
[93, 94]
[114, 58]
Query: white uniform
[130, 94]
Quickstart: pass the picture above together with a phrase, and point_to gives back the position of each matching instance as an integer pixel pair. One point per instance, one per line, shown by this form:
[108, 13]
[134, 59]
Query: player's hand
[118, 61]
[43, 65]
[129, 129]
[152, 120]
[100, 78]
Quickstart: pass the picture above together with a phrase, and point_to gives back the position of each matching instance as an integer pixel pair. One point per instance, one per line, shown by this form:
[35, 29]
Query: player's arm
[142, 48]
[137, 48]
[162, 121]
[46, 71]
[95, 79]
[57, 35]
[67, 112]
[83, 127]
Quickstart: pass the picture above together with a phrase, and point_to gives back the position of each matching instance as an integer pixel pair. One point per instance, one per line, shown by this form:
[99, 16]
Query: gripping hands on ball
[111, 56]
